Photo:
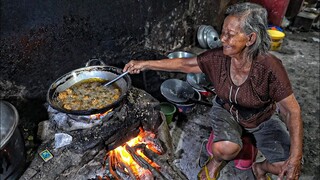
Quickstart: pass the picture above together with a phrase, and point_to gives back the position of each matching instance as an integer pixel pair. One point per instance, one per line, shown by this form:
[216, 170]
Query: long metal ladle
[116, 79]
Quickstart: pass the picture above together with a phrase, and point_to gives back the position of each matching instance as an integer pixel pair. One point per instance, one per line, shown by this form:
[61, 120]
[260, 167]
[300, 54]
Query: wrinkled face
[232, 38]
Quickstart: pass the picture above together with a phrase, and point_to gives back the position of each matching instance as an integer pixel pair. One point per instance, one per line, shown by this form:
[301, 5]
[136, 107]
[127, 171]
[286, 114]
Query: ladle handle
[116, 79]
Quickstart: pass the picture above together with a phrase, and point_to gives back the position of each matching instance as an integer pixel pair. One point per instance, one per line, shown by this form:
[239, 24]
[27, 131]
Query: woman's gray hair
[254, 19]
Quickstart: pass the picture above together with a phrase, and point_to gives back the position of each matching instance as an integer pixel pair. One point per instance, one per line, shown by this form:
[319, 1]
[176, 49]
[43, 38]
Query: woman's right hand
[135, 67]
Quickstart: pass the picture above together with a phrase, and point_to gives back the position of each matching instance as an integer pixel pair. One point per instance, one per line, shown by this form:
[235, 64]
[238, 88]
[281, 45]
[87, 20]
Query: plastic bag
[62, 139]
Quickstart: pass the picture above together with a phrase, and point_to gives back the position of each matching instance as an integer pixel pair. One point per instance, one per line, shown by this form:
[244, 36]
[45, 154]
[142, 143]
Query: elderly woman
[250, 83]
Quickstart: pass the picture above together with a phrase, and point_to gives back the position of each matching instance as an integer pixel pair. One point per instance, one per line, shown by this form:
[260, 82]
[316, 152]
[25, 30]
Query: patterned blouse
[253, 101]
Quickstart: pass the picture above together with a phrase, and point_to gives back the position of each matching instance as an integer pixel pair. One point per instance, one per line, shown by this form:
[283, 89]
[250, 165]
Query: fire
[126, 158]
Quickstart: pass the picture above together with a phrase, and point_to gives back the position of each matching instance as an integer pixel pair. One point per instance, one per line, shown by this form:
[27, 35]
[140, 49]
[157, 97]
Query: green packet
[46, 155]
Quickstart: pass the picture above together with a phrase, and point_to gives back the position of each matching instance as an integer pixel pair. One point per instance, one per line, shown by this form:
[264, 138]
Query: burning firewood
[112, 165]
[142, 162]
[135, 158]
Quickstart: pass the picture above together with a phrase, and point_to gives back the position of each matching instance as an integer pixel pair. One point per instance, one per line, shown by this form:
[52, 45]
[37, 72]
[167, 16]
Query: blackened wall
[42, 40]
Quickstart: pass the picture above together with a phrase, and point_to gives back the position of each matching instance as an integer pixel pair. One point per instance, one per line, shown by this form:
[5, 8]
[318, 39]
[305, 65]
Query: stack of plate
[208, 37]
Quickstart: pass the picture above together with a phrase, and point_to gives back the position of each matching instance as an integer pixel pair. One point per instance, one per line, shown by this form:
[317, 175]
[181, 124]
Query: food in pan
[88, 94]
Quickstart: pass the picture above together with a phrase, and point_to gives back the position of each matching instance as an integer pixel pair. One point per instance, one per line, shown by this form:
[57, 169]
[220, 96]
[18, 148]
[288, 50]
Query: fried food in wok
[88, 94]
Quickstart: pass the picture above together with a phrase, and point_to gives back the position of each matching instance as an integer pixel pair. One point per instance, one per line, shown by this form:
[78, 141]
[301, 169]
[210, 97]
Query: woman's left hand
[291, 169]
[291, 113]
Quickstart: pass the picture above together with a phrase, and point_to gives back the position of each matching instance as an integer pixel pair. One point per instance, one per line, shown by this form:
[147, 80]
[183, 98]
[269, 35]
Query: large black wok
[101, 71]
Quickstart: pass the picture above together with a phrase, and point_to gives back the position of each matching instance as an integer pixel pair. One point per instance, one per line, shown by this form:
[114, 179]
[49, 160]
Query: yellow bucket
[276, 39]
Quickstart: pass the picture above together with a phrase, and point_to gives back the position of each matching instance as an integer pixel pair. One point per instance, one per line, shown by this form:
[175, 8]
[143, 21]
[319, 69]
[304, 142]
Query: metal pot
[101, 71]
[12, 148]
[181, 54]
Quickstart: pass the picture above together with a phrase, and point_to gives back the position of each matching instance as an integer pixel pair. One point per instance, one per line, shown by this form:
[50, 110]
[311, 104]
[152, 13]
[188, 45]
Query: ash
[68, 122]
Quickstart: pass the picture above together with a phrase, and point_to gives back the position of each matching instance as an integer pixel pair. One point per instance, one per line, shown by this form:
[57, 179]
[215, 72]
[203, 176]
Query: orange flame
[124, 156]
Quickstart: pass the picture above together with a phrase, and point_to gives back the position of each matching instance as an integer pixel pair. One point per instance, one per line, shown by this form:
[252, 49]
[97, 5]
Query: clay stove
[93, 152]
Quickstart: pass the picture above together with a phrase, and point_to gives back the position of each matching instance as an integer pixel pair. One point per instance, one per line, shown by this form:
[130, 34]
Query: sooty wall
[42, 40]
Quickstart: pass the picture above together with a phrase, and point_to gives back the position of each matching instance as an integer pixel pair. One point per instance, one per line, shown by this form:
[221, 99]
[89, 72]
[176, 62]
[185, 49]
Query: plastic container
[276, 39]
[168, 110]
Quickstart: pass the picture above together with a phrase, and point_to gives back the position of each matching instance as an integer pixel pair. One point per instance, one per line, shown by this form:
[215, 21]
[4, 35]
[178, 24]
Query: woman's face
[232, 38]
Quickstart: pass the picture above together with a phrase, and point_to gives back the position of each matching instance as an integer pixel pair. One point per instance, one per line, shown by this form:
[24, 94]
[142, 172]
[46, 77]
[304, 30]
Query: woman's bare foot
[258, 172]
[213, 168]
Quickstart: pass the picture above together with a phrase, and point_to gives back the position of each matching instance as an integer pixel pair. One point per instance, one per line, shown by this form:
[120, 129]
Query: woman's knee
[226, 150]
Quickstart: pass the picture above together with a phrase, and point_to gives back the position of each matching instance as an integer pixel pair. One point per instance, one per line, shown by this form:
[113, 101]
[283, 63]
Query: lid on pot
[8, 121]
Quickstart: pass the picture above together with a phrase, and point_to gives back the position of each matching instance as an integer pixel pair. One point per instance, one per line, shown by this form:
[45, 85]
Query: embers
[135, 159]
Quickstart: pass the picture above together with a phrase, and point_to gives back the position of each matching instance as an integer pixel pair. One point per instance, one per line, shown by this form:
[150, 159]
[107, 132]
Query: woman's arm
[185, 65]
[290, 111]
